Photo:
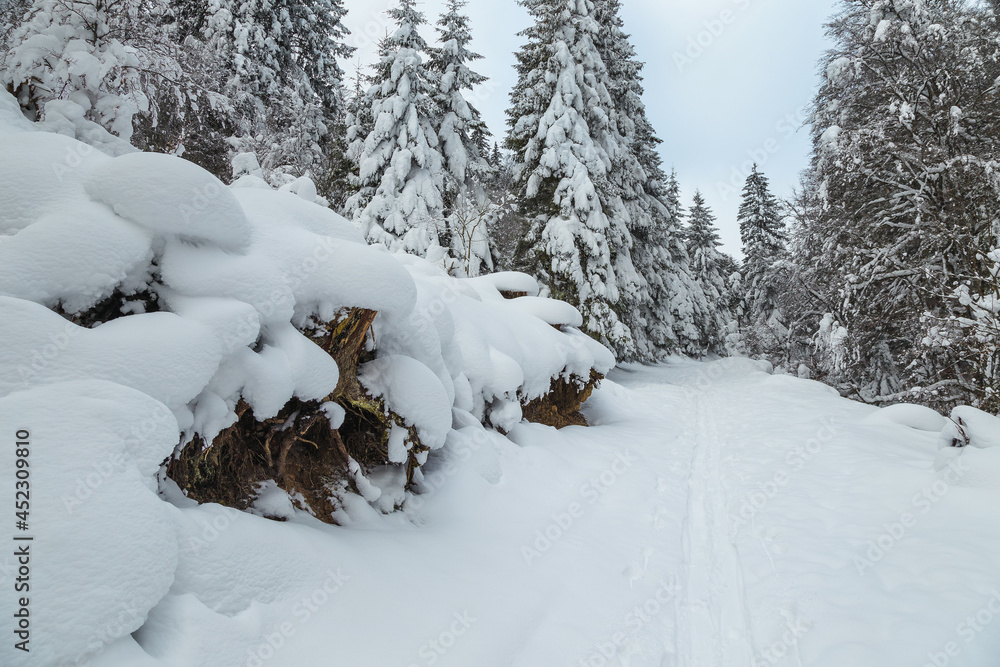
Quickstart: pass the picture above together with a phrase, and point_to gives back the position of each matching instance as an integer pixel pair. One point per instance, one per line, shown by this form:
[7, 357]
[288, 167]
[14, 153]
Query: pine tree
[560, 120]
[708, 265]
[762, 230]
[399, 164]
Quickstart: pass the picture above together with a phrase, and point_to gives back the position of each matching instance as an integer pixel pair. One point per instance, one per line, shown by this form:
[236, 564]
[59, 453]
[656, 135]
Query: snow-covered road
[714, 515]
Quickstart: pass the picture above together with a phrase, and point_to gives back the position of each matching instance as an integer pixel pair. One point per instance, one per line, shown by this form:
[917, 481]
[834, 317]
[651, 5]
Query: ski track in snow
[715, 619]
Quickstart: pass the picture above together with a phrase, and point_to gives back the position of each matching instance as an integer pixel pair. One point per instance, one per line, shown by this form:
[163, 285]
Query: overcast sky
[727, 81]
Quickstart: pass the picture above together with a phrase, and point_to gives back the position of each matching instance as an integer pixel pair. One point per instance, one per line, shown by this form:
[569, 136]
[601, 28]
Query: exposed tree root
[561, 406]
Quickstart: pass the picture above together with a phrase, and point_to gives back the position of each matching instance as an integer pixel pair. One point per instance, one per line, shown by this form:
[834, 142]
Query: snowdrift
[147, 311]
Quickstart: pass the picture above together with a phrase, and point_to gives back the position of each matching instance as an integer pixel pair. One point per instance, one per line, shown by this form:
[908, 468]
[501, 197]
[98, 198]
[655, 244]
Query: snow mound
[971, 426]
[143, 303]
[916, 417]
[550, 311]
[414, 392]
[107, 545]
[170, 196]
[11, 118]
[160, 354]
[73, 259]
[42, 172]
[511, 281]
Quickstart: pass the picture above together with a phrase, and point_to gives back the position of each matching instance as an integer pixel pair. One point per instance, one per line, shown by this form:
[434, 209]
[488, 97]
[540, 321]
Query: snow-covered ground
[714, 515]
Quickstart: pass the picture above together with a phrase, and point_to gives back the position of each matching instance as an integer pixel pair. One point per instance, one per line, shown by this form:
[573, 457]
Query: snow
[712, 515]
[170, 196]
[982, 429]
[160, 354]
[550, 311]
[74, 259]
[415, 393]
[511, 281]
[914, 416]
[106, 546]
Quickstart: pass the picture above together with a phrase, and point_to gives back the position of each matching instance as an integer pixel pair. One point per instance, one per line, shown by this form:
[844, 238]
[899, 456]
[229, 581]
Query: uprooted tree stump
[298, 449]
[561, 406]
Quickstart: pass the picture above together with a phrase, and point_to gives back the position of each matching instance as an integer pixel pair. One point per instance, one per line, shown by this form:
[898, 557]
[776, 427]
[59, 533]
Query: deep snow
[714, 515]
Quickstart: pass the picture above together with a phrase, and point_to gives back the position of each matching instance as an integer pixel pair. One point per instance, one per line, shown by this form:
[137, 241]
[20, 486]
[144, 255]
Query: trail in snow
[712, 516]
[716, 620]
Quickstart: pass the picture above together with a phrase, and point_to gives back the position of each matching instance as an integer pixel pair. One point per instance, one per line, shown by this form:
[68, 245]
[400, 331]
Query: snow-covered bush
[832, 345]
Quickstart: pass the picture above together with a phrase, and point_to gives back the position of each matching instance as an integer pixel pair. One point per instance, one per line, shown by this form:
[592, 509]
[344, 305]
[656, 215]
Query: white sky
[741, 99]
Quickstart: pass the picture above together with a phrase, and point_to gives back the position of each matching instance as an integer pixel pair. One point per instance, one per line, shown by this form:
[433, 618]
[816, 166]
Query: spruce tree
[400, 173]
[460, 127]
[560, 123]
[762, 230]
[462, 135]
[657, 289]
[708, 265]
[280, 67]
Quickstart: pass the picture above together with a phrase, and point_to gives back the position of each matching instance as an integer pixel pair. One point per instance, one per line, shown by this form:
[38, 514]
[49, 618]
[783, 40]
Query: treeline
[575, 194]
[887, 285]
[879, 276]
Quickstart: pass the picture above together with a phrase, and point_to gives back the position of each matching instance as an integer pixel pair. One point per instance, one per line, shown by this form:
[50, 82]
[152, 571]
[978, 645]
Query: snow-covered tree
[280, 69]
[462, 136]
[459, 124]
[99, 59]
[906, 146]
[560, 122]
[400, 169]
[655, 283]
[12, 15]
[762, 230]
[708, 264]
